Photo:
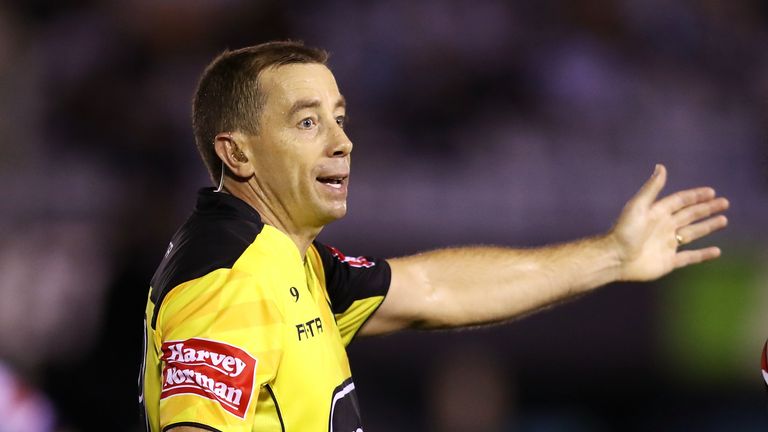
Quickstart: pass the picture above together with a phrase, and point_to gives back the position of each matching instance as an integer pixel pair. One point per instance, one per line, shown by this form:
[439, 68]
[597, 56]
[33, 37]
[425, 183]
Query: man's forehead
[288, 83]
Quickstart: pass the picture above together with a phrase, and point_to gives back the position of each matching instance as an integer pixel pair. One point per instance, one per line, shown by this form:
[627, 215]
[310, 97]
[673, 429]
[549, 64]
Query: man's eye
[340, 121]
[307, 123]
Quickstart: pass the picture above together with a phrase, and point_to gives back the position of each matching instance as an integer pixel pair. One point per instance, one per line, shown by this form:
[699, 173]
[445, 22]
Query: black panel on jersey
[219, 230]
[345, 409]
[347, 282]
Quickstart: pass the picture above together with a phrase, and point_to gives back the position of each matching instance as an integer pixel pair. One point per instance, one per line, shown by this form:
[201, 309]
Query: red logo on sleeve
[210, 369]
[360, 262]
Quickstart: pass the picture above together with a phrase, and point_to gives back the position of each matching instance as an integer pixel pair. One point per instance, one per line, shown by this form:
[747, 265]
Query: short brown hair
[228, 98]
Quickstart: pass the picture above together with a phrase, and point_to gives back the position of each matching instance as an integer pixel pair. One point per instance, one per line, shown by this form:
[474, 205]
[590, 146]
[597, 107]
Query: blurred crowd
[505, 122]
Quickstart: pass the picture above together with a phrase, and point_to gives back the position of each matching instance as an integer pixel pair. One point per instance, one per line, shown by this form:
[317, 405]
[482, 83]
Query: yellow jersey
[242, 334]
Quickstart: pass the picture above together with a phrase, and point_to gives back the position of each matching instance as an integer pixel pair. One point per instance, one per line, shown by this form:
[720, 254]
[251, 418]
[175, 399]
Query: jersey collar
[224, 204]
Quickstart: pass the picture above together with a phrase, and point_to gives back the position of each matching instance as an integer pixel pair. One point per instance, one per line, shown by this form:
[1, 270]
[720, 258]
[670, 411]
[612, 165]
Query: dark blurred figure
[469, 390]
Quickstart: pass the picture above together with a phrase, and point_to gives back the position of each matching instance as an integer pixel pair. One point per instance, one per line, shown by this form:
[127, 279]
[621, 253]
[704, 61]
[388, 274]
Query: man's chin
[333, 214]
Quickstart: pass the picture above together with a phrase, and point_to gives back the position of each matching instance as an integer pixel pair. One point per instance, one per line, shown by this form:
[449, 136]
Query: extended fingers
[690, 233]
[679, 200]
[686, 258]
[700, 211]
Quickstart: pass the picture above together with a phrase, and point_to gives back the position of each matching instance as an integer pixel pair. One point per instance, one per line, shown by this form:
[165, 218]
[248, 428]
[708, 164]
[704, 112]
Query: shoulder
[209, 240]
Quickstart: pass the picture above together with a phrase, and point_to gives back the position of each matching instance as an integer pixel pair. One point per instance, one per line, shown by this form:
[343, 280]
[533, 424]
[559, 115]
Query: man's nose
[340, 144]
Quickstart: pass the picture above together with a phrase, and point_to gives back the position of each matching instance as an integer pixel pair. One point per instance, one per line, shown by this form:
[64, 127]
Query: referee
[248, 316]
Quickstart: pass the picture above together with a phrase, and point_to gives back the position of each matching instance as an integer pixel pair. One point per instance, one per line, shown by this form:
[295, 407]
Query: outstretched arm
[479, 285]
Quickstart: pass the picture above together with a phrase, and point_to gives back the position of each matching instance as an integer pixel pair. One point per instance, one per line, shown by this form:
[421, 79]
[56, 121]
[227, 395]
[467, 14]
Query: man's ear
[234, 157]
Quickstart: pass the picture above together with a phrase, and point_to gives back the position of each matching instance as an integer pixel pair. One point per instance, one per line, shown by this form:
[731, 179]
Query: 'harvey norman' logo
[210, 369]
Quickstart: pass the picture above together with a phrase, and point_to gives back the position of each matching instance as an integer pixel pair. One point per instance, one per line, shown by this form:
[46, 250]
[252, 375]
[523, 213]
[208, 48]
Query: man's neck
[302, 237]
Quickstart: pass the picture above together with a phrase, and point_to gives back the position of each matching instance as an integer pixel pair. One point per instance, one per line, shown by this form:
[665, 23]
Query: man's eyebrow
[303, 104]
[313, 103]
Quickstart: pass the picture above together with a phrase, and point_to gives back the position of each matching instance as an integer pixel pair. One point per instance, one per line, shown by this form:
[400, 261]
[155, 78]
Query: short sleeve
[356, 287]
[219, 340]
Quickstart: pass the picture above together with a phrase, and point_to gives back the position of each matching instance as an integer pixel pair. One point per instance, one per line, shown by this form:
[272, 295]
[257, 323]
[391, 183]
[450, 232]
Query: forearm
[478, 285]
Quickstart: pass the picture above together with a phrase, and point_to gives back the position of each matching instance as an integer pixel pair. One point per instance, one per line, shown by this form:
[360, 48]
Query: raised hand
[649, 231]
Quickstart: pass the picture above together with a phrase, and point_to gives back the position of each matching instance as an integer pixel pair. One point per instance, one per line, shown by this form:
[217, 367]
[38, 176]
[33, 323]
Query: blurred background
[496, 122]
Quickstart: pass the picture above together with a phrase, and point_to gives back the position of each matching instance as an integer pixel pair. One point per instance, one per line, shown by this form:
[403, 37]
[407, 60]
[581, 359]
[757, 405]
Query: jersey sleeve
[219, 340]
[356, 287]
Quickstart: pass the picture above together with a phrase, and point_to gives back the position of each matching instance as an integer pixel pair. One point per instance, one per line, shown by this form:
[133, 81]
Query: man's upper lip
[334, 175]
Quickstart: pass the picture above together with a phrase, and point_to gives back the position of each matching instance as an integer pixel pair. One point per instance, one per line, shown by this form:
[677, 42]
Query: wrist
[614, 251]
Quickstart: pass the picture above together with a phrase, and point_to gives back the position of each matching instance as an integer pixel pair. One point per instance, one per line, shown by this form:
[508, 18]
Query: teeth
[334, 182]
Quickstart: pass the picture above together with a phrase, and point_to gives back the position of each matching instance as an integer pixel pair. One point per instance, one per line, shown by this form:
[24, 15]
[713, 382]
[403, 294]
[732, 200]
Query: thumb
[652, 187]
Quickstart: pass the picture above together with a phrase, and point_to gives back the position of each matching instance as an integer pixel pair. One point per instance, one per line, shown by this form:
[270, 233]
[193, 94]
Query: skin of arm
[481, 285]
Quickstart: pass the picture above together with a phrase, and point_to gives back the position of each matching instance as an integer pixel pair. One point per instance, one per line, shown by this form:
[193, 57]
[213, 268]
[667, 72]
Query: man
[248, 316]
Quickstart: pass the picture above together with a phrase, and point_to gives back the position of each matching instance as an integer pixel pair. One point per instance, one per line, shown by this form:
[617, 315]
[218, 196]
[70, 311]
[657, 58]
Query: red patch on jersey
[764, 363]
[210, 369]
[360, 262]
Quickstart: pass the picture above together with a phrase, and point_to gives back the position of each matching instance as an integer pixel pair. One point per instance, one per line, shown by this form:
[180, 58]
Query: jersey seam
[277, 407]
[193, 424]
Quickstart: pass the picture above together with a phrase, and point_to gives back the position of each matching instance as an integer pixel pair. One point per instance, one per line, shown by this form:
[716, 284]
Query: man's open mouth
[332, 181]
